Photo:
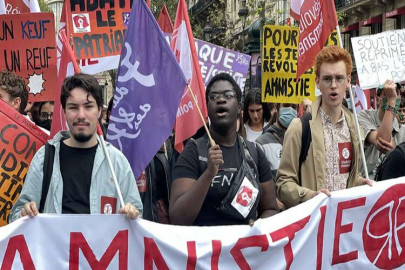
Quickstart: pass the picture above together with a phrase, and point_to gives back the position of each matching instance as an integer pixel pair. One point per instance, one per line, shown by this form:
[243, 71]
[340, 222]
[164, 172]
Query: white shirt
[252, 135]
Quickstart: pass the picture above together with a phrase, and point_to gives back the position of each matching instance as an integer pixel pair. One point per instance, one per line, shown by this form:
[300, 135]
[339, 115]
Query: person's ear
[15, 103]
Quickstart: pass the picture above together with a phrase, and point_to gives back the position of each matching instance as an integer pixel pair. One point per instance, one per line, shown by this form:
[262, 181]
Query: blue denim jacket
[102, 184]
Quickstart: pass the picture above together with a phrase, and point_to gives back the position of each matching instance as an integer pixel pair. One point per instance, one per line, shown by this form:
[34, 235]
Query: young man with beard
[333, 159]
[81, 181]
[215, 184]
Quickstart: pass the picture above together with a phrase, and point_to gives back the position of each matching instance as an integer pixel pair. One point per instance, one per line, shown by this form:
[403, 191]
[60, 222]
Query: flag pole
[69, 50]
[363, 157]
[107, 155]
[212, 142]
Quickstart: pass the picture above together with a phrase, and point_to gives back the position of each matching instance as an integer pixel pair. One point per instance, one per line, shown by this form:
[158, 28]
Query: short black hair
[224, 77]
[254, 96]
[84, 81]
[43, 103]
[15, 86]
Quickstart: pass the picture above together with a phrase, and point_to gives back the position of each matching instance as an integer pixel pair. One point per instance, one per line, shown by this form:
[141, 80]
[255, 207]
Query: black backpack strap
[252, 148]
[306, 139]
[48, 168]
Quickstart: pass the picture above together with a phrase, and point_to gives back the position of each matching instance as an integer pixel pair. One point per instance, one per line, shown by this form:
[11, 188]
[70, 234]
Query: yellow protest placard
[279, 66]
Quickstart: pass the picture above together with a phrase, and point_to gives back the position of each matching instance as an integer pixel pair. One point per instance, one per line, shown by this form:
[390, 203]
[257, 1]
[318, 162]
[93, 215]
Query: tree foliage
[44, 7]
[156, 7]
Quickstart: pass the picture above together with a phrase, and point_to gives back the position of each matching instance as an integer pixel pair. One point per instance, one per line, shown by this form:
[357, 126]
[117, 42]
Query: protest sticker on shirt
[279, 66]
[245, 198]
[28, 48]
[98, 28]
[345, 157]
[20, 139]
[108, 205]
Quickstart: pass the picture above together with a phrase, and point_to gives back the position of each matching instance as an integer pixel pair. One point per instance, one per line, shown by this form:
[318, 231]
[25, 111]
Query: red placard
[98, 28]
[20, 139]
[28, 48]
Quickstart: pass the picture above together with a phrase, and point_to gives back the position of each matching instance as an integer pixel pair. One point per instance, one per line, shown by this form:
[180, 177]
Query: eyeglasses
[340, 80]
[216, 96]
[46, 116]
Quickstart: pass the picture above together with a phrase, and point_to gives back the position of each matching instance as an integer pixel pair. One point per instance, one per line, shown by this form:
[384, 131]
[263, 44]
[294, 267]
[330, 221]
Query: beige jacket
[313, 168]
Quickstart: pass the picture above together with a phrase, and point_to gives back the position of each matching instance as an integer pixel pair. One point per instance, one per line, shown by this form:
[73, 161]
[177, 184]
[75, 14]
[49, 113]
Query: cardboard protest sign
[279, 66]
[380, 57]
[28, 48]
[98, 27]
[214, 59]
[19, 141]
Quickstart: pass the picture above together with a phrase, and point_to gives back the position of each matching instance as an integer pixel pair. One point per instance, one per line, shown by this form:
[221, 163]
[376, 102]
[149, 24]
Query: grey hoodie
[272, 146]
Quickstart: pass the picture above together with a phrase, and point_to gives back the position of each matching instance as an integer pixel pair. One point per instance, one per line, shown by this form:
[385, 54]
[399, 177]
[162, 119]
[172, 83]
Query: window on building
[401, 22]
[376, 28]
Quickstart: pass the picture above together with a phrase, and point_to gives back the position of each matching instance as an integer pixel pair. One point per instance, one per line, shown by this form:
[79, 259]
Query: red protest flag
[66, 59]
[164, 21]
[317, 21]
[188, 120]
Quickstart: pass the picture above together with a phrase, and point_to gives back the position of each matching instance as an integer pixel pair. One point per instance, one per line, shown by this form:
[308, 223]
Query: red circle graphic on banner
[384, 229]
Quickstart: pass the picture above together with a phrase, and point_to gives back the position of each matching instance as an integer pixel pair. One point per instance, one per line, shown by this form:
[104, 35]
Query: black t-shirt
[187, 167]
[76, 167]
[394, 165]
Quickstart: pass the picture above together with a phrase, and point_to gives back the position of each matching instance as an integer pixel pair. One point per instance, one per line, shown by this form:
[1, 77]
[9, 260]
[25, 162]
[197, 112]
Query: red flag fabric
[317, 21]
[188, 120]
[362, 98]
[66, 59]
[164, 21]
[148, 3]
[295, 9]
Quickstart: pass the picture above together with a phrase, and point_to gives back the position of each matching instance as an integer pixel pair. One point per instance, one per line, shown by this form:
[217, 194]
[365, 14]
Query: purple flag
[149, 88]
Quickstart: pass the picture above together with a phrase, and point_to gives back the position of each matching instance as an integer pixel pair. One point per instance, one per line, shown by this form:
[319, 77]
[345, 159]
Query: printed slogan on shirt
[98, 27]
[19, 141]
[279, 66]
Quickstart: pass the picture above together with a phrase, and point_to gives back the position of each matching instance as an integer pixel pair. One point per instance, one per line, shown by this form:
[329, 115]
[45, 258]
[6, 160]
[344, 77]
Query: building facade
[368, 17]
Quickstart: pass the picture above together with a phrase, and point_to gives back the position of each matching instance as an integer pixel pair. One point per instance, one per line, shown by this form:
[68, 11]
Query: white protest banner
[380, 57]
[357, 228]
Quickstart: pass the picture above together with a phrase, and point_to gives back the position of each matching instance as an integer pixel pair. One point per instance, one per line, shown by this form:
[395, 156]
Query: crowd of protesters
[254, 162]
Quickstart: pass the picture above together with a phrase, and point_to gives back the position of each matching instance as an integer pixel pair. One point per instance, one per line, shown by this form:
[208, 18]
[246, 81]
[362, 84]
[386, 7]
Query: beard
[82, 138]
